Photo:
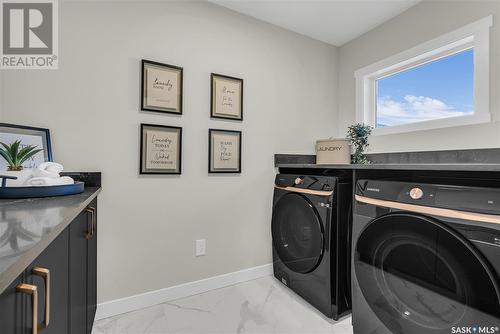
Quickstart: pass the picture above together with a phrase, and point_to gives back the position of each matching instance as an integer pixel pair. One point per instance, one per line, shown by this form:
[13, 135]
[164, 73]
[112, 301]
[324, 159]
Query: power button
[416, 193]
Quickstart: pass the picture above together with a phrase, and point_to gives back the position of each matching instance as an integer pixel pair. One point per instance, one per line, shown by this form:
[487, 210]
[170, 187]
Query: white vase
[22, 176]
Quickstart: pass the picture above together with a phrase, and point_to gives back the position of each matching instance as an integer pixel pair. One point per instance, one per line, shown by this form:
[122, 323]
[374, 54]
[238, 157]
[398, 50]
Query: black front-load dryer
[310, 231]
[426, 258]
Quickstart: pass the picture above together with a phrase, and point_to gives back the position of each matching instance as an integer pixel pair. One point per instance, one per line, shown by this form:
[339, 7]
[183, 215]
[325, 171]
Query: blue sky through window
[439, 89]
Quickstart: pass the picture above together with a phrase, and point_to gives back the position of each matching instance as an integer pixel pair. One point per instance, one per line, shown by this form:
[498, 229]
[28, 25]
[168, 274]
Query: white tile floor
[259, 306]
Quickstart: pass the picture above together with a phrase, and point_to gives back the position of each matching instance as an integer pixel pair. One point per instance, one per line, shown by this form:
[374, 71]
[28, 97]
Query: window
[441, 83]
[439, 89]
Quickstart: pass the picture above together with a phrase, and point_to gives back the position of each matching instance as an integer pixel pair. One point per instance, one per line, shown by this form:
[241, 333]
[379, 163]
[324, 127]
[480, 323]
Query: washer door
[420, 276]
[298, 236]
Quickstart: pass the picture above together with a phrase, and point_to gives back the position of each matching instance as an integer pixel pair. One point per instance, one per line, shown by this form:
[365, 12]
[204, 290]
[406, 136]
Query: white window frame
[474, 35]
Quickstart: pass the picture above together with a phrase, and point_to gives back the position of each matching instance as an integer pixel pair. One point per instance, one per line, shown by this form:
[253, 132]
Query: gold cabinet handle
[45, 274]
[90, 232]
[94, 219]
[33, 292]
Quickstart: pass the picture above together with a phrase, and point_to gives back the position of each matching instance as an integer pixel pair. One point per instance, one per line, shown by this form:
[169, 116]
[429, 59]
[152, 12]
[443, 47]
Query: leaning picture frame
[28, 135]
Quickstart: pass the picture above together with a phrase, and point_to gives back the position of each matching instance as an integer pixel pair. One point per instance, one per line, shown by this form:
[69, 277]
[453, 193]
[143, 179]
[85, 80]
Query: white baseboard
[132, 303]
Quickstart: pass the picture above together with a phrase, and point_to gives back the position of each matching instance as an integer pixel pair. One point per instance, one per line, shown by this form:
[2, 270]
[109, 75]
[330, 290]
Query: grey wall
[148, 225]
[1, 96]
[425, 21]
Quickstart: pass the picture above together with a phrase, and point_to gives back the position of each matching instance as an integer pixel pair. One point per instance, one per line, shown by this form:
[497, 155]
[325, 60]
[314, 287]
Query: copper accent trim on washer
[306, 191]
[449, 213]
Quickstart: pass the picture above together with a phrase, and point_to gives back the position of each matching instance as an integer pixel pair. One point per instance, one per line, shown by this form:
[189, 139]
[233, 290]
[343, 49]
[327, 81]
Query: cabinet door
[11, 309]
[54, 261]
[78, 231]
[92, 270]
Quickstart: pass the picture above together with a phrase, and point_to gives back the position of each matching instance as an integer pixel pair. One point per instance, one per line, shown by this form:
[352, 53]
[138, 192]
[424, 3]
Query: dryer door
[298, 235]
[420, 276]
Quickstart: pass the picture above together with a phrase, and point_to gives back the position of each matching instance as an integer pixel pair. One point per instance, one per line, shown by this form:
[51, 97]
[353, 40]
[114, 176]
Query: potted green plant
[15, 156]
[358, 135]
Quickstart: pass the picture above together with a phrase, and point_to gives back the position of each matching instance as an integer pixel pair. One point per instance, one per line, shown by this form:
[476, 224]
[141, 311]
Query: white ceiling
[332, 21]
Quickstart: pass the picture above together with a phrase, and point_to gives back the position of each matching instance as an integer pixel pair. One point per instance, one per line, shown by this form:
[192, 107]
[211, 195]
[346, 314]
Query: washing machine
[426, 258]
[310, 234]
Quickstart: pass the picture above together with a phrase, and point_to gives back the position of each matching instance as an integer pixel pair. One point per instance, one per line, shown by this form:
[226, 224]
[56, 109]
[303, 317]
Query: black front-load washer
[311, 248]
[426, 258]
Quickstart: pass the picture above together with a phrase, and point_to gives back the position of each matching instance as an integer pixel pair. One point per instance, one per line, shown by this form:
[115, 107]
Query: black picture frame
[23, 130]
[213, 114]
[211, 169]
[143, 105]
[143, 170]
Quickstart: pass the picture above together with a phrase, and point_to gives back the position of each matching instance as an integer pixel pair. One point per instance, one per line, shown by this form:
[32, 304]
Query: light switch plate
[201, 247]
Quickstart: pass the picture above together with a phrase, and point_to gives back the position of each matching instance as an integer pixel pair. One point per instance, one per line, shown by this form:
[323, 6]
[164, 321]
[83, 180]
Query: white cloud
[413, 109]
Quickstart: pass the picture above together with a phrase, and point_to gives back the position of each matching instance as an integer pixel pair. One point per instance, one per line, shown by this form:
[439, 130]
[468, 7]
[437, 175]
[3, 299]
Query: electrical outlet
[201, 247]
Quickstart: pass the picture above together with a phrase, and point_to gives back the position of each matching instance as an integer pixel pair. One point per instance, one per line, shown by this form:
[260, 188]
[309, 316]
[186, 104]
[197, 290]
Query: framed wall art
[226, 97]
[27, 135]
[161, 149]
[161, 87]
[224, 151]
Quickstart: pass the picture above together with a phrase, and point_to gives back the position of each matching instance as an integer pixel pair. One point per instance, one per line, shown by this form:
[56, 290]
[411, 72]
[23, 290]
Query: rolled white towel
[22, 176]
[52, 167]
[49, 181]
[43, 173]
[48, 169]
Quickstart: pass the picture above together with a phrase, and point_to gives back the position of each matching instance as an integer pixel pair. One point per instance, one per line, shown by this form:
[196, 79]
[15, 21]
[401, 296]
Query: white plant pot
[22, 176]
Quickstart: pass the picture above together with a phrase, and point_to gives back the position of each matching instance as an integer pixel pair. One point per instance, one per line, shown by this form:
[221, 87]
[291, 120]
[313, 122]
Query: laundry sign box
[333, 151]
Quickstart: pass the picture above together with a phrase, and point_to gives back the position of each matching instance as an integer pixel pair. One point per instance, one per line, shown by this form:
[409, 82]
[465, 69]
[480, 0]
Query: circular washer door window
[297, 233]
[420, 276]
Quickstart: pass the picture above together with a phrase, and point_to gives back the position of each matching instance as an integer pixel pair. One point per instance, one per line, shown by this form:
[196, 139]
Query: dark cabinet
[83, 271]
[39, 297]
[11, 306]
[57, 292]
[78, 274]
[49, 273]
[92, 269]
